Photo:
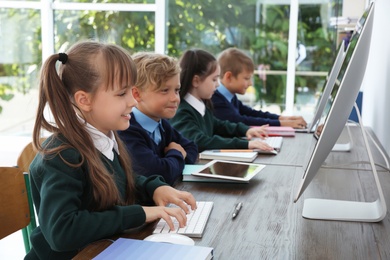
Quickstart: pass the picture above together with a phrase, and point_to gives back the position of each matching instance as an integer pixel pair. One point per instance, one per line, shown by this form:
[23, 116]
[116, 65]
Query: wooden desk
[270, 225]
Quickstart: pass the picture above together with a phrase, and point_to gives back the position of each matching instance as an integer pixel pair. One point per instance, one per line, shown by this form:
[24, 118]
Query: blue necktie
[157, 134]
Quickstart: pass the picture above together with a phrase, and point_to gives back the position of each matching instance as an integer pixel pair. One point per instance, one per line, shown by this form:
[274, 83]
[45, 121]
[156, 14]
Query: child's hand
[258, 144]
[176, 146]
[154, 213]
[164, 195]
[258, 131]
[319, 129]
[293, 121]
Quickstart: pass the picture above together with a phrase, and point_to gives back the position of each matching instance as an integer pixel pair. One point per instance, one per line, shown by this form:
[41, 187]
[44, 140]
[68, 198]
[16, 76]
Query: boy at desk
[156, 147]
[236, 73]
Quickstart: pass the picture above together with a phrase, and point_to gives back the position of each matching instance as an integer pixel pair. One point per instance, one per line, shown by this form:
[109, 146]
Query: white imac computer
[342, 99]
[327, 88]
[322, 106]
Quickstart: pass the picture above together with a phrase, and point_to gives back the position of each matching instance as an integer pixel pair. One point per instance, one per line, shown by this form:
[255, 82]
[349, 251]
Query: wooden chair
[16, 211]
[26, 156]
[24, 160]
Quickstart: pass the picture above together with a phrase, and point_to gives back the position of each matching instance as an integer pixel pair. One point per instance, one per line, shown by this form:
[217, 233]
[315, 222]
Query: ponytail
[78, 71]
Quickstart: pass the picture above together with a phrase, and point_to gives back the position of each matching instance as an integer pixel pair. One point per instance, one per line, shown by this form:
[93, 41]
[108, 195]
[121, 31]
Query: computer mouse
[172, 238]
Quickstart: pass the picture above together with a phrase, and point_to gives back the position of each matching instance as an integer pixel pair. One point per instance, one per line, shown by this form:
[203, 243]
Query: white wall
[376, 83]
[353, 8]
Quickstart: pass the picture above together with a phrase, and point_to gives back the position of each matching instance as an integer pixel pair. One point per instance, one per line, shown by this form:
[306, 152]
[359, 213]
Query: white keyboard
[196, 221]
[275, 142]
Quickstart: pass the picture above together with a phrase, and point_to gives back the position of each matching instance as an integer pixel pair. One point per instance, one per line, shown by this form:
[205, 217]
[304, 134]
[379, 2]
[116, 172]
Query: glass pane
[271, 55]
[210, 25]
[316, 50]
[259, 30]
[20, 54]
[24, 0]
[133, 31]
[111, 1]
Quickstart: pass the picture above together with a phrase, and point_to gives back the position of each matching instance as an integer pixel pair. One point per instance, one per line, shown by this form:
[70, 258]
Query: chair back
[14, 206]
[26, 156]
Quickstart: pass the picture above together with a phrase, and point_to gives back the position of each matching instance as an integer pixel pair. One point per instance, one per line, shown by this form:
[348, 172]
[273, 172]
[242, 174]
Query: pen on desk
[237, 209]
[234, 151]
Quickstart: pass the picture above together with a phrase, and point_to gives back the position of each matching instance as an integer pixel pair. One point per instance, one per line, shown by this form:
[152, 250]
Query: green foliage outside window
[213, 25]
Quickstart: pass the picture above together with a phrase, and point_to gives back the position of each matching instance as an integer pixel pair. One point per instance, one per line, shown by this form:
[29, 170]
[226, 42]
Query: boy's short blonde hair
[235, 61]
[154, 69]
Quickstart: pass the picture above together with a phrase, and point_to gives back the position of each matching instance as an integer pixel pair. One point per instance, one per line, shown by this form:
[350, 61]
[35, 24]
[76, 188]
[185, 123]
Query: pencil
[233, 151]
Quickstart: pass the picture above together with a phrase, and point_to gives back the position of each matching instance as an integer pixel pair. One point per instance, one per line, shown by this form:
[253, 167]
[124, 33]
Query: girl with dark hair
[194, 118]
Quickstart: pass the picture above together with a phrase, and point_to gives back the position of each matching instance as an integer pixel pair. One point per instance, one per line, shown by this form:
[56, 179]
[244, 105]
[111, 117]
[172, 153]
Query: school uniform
[62, 195]
[148, 155]
[197, 123]
[228, 107]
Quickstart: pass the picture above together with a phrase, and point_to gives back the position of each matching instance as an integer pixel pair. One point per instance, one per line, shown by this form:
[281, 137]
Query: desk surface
[270, 225]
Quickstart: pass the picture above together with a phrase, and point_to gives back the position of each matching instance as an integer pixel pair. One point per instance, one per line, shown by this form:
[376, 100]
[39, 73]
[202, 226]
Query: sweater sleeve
[61, 193]
[146, 158]
[252, 117]
[189, 146]
[146, 187]
[201, 130]
[224, 110]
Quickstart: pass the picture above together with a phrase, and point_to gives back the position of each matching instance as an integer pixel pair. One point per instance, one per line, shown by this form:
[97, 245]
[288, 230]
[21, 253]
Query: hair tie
[63, 57]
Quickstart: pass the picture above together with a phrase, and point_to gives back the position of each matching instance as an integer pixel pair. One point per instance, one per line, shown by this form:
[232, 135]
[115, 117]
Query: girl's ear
[136, 94]
[196, 81]
[83, 100]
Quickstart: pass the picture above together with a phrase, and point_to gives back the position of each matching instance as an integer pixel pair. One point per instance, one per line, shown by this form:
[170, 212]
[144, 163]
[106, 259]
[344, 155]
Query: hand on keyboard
[165, 195]
[169, 214]
[196, 221]
[259, 144]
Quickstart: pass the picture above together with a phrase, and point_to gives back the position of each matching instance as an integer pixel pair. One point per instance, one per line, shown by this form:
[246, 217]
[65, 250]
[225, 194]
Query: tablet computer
[229, 170]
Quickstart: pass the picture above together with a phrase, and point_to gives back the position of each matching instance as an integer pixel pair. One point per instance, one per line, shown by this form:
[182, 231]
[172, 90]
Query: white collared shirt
[105, 144]
[196, 103]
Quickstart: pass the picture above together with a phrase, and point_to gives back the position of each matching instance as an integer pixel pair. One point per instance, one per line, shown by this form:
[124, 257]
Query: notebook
[281, 131]
[243, 155]
[129, 249]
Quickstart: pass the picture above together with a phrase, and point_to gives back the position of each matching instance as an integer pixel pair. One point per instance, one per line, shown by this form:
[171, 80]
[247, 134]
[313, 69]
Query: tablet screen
[230, 170]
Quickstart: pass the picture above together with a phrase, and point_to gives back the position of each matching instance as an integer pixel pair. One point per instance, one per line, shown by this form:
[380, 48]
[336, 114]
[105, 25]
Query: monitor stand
[349, 210]
[344, 147]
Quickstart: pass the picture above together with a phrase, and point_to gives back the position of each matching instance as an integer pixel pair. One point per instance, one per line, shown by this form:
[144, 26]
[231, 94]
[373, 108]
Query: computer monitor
[327, 88]
[341, 101]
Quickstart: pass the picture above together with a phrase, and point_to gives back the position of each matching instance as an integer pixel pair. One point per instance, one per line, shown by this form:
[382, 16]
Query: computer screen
[327, 88]
[342, 98]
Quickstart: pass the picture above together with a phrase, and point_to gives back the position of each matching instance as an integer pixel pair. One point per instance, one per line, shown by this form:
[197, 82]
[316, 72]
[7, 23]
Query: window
[263, 29]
